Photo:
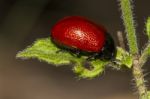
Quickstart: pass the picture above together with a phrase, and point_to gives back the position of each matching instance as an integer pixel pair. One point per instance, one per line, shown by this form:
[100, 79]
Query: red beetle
[83, 37]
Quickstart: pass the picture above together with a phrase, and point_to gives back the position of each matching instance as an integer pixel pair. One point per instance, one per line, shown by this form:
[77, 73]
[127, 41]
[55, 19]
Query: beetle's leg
[77, 53]
[92, 57]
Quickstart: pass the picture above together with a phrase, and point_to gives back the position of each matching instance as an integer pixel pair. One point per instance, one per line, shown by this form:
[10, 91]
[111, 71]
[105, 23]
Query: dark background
[23, 21]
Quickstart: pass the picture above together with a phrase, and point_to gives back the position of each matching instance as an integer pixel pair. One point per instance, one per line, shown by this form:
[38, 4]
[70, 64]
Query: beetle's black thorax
[109, 49]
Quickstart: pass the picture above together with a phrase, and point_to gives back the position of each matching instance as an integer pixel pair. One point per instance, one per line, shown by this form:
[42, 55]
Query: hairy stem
[148, 27]
[139, 78]
[120, 39]
[145, 55]
[127, 17]
[138, 75]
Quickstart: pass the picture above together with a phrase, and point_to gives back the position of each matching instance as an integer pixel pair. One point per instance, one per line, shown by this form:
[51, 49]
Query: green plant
[45, 50]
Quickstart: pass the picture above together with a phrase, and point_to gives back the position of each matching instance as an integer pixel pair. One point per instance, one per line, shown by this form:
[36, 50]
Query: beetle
[81, 36]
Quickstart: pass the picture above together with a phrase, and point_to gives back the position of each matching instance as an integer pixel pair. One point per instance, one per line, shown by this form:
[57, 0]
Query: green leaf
[148, 27]
[45, 50]
[124, 58]
[98, 66]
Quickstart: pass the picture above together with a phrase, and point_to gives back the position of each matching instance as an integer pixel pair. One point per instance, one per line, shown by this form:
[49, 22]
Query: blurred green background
[23, 21]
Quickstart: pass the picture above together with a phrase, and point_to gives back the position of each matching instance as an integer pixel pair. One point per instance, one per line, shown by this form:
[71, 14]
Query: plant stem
[121, 39]
[148, 27]
[138, 75]
[139, 78]
[127, 17]
[145, 55]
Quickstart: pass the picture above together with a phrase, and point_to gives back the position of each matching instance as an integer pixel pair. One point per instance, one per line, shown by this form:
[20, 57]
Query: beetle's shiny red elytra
[79, 33]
